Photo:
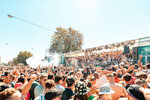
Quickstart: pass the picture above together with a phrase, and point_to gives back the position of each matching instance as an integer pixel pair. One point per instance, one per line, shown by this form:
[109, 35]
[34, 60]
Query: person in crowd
[49, 85]
[106, 93]
[141, 75]
[115, 87]
[40, 88]
[34, 84]
[91, 84]
[7, 77]
[68, 93]
[148, 81]
[127, 79]
[8, 93]
[85, 82]
[20, 82]
[59, 81]
[116, 78]
[141, 82]
[146, 93]
[82, 92]
[13, 82]
[135, 93]
[53, 95]
[50, 76]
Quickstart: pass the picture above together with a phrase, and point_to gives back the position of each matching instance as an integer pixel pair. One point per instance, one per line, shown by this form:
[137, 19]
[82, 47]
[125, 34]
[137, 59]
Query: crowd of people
[103, 59]
[122, 81]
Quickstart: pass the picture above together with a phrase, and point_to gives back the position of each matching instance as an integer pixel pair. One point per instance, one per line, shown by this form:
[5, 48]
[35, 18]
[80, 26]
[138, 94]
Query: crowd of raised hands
[124, 81]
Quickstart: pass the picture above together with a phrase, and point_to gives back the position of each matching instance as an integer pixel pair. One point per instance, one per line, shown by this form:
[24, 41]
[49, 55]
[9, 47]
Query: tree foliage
[15, 61]
[22, 56]
[66, 40]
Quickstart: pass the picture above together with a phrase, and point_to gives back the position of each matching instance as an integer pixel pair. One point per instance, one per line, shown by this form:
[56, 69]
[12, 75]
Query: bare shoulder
[119, 85]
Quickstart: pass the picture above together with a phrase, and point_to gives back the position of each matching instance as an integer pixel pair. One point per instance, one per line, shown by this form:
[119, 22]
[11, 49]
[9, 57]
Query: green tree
[9, 62]
[15, 61]
[66, 40]
[22, 56]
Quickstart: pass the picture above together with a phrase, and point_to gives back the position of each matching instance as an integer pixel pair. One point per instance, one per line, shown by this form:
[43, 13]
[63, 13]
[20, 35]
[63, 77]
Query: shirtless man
[119, 89]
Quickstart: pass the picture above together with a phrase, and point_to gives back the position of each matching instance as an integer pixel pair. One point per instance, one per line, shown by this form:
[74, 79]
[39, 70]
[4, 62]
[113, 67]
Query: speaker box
[126, 49]
[135, 56]
[135, 50]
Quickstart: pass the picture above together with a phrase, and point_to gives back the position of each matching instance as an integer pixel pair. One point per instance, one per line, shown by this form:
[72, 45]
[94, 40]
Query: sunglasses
[45, 79]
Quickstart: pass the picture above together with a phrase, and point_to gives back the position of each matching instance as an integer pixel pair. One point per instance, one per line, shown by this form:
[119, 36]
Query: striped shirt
[41, 97]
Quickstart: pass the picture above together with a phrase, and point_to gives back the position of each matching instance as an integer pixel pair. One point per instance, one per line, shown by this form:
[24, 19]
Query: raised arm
[28, 86]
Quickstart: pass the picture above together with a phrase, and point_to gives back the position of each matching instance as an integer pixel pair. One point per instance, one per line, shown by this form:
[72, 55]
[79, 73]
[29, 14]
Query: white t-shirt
[41, 97]
[59, 88]
[101, 81]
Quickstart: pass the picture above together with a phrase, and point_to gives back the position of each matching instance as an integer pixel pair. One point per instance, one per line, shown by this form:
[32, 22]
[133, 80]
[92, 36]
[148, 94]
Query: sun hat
[81, 88]
[105, 89]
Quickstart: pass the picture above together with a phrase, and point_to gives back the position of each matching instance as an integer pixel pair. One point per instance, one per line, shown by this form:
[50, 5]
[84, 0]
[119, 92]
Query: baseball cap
[105, 89]
[134, 92]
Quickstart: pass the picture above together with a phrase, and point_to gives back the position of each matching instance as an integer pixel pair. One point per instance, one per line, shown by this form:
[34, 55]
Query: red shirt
[117, 80]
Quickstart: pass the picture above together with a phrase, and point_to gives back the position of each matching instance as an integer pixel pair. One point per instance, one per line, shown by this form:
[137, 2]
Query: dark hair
[66, 72]
[80, 97]
[1, 79]
[50, 76]
[93, 79]
[127, 77]
[115, 74]
[28, 79]
[110, 75]
[21, 79]
[56, 70]
[89, 84]
[58, 78]
[82, 79]
[22, 74]
[49, 84]
[141, 82]
[6, 73]
[71, 73]
[69, 81]
[12, 77]
[64, 77]
[96, 75]
[131, 71]
[51, 95]
[148, 66]
[3, 87]
[85, 75]
[141, 75]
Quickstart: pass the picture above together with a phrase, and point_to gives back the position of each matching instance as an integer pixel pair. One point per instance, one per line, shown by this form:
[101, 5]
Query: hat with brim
[81, 88]
[105, 89]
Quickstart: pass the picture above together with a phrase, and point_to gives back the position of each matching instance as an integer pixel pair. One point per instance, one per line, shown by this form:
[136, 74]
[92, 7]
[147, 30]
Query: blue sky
[100, 21]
